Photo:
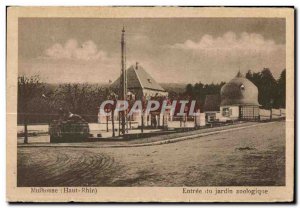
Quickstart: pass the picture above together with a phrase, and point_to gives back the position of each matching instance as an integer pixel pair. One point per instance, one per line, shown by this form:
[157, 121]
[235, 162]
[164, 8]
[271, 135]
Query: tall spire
[239, 74]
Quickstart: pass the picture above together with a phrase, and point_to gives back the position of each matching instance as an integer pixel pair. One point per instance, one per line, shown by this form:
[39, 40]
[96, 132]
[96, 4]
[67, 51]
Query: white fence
[276, 113]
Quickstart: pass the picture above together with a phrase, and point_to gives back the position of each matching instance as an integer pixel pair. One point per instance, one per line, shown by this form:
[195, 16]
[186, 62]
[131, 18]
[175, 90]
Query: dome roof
[239, 91]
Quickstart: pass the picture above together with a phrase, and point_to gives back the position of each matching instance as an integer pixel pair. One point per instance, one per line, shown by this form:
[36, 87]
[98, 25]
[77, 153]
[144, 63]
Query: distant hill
[56, 85]
[175, 87]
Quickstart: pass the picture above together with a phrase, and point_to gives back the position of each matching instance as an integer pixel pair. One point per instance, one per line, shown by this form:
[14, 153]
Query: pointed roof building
[140, 82]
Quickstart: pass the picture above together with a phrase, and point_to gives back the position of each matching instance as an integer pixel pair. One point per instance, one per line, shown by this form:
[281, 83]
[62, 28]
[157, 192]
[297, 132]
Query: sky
[172, 50]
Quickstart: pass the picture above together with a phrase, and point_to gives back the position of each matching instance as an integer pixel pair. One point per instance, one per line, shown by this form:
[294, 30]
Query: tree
[189, 89]
[83, 99]
[267, 88]
[28, 88]
[281, 89]
[249, 75]
[198, 91]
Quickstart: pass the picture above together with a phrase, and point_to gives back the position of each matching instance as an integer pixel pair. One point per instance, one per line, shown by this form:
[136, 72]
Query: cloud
[69, 70]
[73, 50]
[231, 44]
[140, 38]
[137, 40]
[71, 61]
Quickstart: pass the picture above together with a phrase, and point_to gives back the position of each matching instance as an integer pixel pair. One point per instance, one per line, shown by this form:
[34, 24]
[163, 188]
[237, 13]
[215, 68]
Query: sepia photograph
[195, 101]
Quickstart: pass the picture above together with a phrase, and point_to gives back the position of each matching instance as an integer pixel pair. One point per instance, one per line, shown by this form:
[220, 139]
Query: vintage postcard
[150, 104]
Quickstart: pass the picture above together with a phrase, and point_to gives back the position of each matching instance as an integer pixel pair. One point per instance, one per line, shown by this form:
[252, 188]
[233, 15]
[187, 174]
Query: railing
[268, 114]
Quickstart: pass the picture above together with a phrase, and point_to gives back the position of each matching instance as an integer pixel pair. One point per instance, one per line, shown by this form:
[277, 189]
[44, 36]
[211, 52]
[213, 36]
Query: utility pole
[123, 83]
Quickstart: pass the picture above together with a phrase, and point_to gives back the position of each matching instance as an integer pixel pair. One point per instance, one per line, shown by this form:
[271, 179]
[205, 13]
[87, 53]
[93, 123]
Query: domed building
[239, 99]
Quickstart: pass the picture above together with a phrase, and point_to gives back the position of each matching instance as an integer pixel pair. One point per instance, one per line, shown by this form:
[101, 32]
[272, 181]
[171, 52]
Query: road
[246, 157]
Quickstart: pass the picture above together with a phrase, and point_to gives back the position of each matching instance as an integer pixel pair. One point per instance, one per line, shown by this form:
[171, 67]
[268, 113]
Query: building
[239, 99]
[212, 107]
[133, 84]
[140, 83]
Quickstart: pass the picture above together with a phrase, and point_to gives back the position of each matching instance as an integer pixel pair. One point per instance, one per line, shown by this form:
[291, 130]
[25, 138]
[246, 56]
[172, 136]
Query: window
[249, 112]
[211, 117]
[226, 112]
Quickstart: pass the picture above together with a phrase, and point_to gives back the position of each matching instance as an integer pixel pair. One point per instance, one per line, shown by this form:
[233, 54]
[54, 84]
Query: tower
[123, 80]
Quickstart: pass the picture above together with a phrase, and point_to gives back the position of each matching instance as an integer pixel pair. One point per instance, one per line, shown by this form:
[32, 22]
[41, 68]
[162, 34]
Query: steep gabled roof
[212, 103]
[137, 77]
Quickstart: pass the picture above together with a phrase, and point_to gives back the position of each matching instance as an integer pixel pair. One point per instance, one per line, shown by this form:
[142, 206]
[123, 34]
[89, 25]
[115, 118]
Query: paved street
[253, 156]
